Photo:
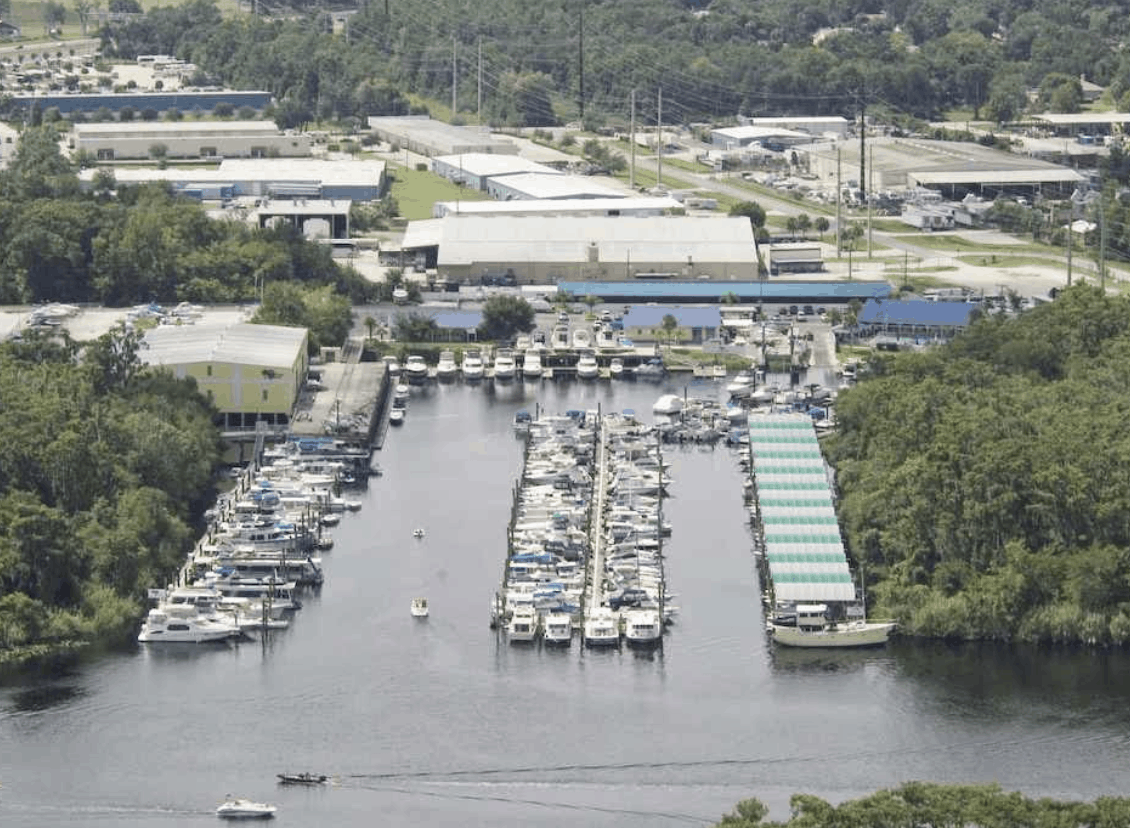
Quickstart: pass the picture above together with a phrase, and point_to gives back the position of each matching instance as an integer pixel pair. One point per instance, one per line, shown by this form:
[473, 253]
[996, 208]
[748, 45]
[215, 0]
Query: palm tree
[370, 324]
[670, 327]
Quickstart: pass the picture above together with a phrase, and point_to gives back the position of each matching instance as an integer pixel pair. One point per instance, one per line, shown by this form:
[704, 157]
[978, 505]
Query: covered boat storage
[797, 529]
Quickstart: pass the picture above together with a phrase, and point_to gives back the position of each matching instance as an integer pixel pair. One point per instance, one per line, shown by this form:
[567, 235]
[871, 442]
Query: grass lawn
[946, 242]
[416, 191]
[1002, 260]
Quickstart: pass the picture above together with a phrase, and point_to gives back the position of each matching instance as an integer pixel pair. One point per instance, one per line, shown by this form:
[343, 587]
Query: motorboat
[558, 629]
[446, 368]
[669, 405]
[653, 369]
[602, 629]
[302, 778]
[396, 416]
[392, 365]
[718, 371]
[419, 607]
[582, 338]
[643, 627]
[417, 533]
[587, 367]
[616, 368]
[742, 384]
[505, 367]
[813, 628]
[531, 364]
[161, 626]
[472, 366]
[416, 369]
[522, 420]
[523, 625]
[245, 809]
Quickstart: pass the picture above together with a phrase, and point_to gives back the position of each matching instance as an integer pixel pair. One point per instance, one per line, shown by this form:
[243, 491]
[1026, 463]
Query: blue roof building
[457, 325]
[644, 323]
[915, 318]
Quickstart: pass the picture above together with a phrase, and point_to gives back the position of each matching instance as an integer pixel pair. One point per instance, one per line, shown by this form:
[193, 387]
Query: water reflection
[45, 697]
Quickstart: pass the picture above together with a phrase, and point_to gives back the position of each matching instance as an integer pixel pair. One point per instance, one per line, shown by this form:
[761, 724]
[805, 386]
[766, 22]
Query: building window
[207, 152]
[258, 152]
[105, 154]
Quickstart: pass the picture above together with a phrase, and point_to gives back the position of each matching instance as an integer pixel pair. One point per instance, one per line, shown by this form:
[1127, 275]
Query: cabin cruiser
[643, 627]
[742, 384]
[558, 629]
[587, 367]
[523, 625]
[813, 628]
[416, 369]
[392, 365]
[531, 364]
[602, 629]
[668, 405]
[245, 809]
[616, 368]
[182, 628]
[653, 369]
[446, 368]
[472, 365]
[505, 367]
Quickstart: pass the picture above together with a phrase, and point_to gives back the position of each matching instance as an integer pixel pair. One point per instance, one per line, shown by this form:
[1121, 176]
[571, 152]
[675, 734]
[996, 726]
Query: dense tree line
[927, 805]
[917, 57]
[986, 490]
[104, 469]
[125, 245]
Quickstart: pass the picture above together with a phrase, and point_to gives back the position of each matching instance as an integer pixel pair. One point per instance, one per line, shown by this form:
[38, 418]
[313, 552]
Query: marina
[405, 716]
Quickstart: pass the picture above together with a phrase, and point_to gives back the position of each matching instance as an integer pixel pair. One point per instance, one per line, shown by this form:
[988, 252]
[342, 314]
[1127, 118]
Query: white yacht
[558, 629]
[668, 405]
[643, 627]
[446, 368]
[245, 809]
[582, 338]
[415, 368]
[523, 626]
[472, 365]
[392, 365]
[813, 629]
[396, 417]
[587, 367]
[505, 367]
[419, 607]
[602, 629]
[616, 368]
[162, 626]
[531, 363]
[742, 384]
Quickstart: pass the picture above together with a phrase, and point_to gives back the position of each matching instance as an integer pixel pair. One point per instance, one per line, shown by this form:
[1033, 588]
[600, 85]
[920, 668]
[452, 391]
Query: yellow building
[249, 372]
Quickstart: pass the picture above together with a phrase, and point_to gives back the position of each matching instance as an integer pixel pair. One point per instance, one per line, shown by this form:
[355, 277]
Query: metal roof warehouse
[826, 293]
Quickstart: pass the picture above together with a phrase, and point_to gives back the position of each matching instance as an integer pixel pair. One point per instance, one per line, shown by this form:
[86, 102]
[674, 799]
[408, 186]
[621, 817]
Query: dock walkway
[351, 401]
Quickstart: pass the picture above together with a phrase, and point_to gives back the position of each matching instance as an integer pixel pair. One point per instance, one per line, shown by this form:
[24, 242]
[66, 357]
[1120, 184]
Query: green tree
[504, 316]
[670, 326]
[821, 225]
[751, 210]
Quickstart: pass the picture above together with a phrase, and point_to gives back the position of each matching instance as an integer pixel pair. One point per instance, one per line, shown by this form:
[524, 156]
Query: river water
[441, 723]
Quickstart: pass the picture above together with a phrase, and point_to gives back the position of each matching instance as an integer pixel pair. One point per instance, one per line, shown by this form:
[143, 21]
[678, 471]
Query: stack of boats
[260, 547]
[585, 536]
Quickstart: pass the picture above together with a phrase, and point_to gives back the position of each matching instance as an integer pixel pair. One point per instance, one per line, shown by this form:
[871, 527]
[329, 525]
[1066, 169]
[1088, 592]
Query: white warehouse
[188, 139]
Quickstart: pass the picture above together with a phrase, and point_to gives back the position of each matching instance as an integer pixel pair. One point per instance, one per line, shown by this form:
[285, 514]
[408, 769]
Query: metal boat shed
[801, 536]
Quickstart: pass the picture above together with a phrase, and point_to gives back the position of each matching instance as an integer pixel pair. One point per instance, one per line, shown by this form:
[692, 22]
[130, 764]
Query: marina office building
[251, 373]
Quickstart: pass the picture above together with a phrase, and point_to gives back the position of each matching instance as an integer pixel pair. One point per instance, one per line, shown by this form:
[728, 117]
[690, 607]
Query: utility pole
[839, 191]
[480, 83]
[862, 154]
[659, 140]
[870, 172]
[1102, 238]
[632, 144]
[454, 77]
[581, 60]
[1070, 240]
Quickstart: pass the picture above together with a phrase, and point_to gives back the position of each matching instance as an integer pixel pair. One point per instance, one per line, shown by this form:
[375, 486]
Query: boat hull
[853, 634]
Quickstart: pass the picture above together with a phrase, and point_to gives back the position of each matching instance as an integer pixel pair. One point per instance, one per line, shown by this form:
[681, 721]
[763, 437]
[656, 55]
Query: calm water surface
[440, 723]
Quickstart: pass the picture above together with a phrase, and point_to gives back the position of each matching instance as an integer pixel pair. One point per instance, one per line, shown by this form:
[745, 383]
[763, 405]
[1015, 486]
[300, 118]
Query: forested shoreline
[930, 805]
[986, 483]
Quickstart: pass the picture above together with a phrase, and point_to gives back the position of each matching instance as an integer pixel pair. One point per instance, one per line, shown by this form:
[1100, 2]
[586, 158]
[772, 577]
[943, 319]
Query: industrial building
[818, 126]
[313, 218]
[546, 249]
[249, 372]
[628, 206]
[424, 136]
[541, 187]
[357, 180]
[115, 102]
[476, 169]
[188, 139]
[954, 168]
[769, 137]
